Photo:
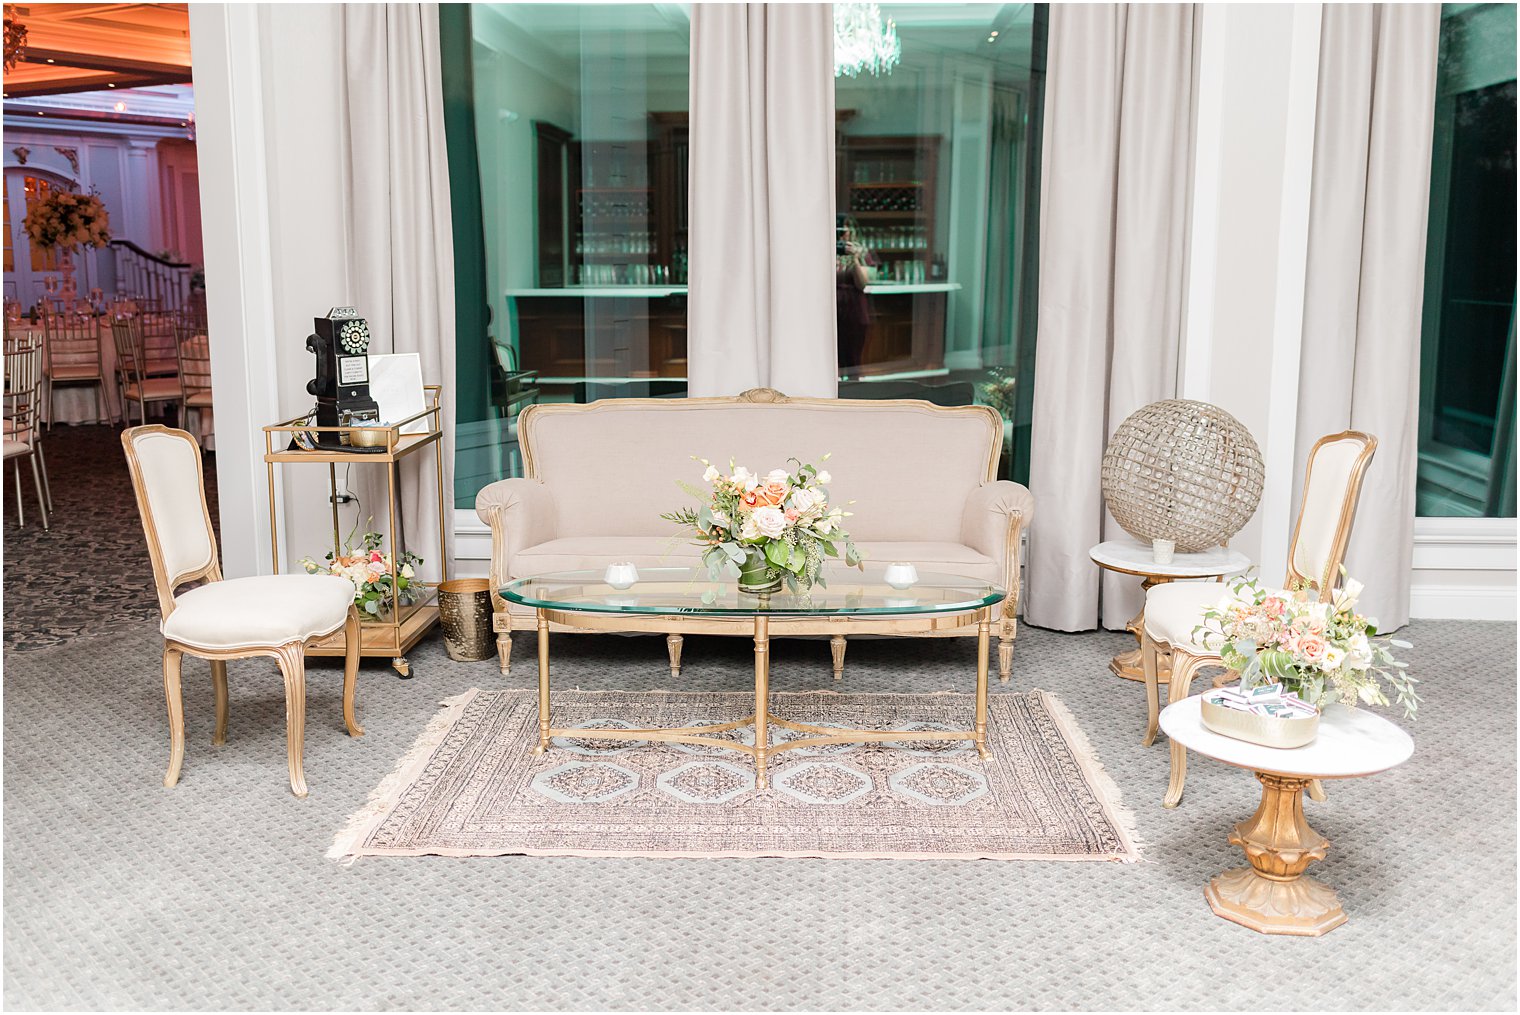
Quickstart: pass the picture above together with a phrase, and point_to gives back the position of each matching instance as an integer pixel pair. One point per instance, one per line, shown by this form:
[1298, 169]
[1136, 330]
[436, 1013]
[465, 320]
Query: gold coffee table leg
[543, 684]
[982, 631]
[762, 695]
[1272, 895]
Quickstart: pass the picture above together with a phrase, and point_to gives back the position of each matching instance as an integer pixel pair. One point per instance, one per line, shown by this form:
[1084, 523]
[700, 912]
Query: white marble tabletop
[1134, 557]
[1350, 742]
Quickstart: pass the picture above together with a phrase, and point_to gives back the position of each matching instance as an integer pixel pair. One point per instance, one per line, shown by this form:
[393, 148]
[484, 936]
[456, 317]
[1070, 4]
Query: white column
[235, 221]
[142, 197]
[1248, 245]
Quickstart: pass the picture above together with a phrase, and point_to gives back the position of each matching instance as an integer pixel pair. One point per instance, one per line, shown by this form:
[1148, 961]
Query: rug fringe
[384, 796]
[1097, 776]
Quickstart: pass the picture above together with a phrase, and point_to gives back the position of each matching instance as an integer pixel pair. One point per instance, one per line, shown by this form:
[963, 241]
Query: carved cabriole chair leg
[351, 637]
[673, 648]
[1185, 667]
[1149, 663]
[176, 715]
[219, 693]
[293, 665]
[837, 645]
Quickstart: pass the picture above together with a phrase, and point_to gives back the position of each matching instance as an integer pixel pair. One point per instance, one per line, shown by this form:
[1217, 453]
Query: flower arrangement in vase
[372, 572]
[66, 221]
[1319, 652]
[766, 530]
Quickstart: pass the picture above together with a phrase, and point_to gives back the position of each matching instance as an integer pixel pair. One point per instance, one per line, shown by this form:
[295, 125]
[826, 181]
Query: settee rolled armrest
[996, 515]
[520, 513]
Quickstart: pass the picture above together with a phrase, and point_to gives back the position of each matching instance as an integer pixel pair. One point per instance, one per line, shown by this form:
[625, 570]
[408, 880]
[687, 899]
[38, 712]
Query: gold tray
[1266, 730]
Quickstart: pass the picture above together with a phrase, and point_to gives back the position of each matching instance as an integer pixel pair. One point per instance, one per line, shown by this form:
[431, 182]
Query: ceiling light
[110, 84]
[993, 33]
[121, 107]
[50, 60]
[864, 40]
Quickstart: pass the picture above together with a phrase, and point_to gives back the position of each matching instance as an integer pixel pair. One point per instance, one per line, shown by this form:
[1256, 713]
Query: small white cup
[1162, 550]
[622, 575]
[900, 575]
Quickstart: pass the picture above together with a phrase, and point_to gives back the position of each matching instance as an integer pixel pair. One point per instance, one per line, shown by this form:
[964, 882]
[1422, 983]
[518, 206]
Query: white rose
[770, 521]
[1359, 652]
[824, 477]
[744, 479]
[749, 531]
[805, 500]
[778, 476]
[720, 517]
[407, 572]
[712, 475]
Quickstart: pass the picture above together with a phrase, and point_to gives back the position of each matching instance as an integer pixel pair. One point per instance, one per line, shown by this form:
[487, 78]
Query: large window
[1467, 364]
[580, 124]
[576, 117]
[938, 201]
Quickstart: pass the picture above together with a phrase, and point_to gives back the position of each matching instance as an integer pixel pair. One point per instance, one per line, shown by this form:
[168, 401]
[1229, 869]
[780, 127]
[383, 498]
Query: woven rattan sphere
[1182, 470]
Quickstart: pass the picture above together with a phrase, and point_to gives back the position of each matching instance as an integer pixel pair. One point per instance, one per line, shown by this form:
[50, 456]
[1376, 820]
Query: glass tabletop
[689, 590]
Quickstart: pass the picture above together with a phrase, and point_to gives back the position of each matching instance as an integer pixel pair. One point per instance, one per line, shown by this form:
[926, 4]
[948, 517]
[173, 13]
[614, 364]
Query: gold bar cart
[394, 636]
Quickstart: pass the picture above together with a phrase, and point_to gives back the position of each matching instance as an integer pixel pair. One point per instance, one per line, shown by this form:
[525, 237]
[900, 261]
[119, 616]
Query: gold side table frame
[378, 639]
[762, 719]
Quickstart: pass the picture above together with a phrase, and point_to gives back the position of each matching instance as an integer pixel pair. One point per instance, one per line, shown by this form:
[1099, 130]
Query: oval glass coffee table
[583, 599]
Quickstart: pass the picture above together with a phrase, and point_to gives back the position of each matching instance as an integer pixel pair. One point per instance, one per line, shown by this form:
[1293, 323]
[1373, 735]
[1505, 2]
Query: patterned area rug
[472, 787]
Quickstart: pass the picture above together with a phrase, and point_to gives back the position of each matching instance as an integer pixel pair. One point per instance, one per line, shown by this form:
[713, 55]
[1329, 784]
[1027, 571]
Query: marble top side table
[1273, 895]
[1130, 556]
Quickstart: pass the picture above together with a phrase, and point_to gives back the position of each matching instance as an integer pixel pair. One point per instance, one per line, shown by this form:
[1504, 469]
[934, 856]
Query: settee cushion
[593, 553]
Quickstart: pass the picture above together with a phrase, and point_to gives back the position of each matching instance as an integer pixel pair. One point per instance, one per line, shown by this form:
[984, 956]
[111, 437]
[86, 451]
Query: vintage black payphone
[341, 345]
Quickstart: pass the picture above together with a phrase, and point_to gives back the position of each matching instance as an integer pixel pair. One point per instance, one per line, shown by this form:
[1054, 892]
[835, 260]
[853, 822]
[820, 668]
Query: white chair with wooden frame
[237, 618]
[1332, 486]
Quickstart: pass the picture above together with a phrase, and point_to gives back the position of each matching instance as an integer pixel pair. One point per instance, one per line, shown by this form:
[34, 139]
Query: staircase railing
[150, 278]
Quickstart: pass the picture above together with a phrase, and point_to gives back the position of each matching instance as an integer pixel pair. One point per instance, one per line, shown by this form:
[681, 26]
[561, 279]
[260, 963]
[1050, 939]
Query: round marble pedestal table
[1130, 556]
[1273, 895]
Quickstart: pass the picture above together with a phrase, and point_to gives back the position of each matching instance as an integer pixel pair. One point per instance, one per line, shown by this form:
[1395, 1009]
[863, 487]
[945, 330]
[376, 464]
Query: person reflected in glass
[852, 272]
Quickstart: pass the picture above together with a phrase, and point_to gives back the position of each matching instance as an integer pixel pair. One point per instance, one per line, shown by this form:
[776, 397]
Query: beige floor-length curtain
[400, 236]
[761, 307]
[1118, 137]
[1368, 206]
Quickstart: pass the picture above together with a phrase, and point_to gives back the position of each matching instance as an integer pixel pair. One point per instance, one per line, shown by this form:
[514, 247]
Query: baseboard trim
[1463, 602]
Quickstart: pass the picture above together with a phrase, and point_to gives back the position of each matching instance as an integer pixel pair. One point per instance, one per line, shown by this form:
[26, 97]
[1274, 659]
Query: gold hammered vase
[464, 611]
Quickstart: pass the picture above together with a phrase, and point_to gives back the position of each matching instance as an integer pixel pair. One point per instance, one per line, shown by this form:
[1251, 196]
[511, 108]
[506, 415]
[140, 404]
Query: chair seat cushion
[198, 399]
[262, 610]
[154, 388]
[75, 372]
[14, 449]
[1174, 610]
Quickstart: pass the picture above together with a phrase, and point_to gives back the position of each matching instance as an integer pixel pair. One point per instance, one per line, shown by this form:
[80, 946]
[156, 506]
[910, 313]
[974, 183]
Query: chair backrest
[72, 341]
[171, 499]
[1332, 486]
[126, 333]
[23, 385]
[194, 359]
[158, 343]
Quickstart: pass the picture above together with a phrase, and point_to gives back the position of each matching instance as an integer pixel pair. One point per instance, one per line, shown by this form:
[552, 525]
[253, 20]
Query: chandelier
[864, 40]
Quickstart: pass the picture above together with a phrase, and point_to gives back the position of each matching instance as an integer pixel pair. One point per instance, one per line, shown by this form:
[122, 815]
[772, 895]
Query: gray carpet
[121, 894]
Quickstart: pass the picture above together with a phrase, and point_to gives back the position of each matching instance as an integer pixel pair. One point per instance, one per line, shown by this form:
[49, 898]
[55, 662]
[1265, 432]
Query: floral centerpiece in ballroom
[372, 572]
[764, 530]
[1320, 652]
[66, 221]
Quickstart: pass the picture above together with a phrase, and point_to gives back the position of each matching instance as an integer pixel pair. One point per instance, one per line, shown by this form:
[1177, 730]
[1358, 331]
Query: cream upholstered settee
[921, 478]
